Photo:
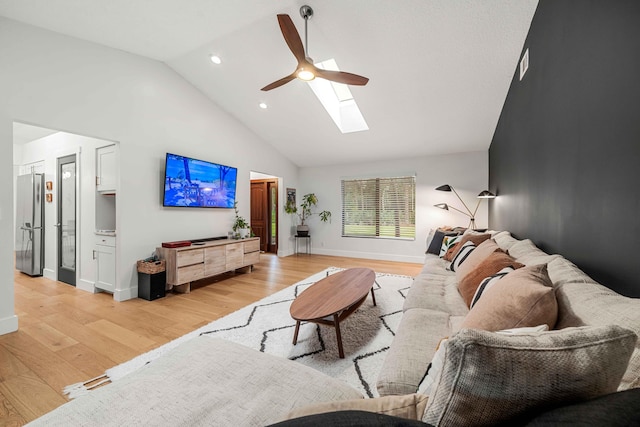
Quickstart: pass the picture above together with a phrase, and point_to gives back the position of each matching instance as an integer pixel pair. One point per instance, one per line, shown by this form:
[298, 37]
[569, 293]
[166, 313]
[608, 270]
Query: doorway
[264, 213]
[66, 219]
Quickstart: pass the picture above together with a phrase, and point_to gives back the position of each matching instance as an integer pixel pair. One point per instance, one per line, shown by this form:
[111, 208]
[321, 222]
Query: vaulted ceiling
[439, 70]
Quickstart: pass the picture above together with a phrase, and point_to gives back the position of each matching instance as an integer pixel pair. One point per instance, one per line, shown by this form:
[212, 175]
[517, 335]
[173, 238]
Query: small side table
[307, 243]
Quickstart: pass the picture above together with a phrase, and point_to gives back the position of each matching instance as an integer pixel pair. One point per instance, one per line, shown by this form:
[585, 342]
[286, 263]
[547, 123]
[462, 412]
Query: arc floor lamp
[485, 194]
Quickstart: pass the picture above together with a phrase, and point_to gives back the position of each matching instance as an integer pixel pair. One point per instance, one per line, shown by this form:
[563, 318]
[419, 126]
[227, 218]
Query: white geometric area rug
[267, 326]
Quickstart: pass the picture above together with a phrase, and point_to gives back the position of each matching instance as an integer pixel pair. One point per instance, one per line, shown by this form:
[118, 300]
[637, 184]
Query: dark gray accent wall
[565, 157]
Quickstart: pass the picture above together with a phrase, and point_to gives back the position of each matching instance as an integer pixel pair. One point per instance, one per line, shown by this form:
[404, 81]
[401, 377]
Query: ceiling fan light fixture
[305, 75]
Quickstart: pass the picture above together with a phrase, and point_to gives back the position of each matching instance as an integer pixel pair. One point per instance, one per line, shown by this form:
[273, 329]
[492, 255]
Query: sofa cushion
[584, 303]
[488, 378]
[526, 252]
[409, 406]
[482, 252]
[435, 288]
[562, 271]
[522, 298]
[476, 239]
[490, 266]
[504, 239]
[412, 349]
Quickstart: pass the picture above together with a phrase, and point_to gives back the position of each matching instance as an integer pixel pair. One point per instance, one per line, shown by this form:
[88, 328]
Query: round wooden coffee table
[333, 299]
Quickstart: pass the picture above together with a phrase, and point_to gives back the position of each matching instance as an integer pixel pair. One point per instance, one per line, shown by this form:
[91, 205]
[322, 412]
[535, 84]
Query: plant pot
[302, 230]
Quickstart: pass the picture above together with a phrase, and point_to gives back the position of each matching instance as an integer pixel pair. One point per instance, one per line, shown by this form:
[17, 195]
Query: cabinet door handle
[94, 254]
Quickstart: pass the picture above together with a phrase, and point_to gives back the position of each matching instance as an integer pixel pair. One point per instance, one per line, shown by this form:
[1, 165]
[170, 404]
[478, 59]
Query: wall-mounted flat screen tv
[195, 183]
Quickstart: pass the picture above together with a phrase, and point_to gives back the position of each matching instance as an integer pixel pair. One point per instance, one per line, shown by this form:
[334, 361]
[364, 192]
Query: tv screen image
[195, 183]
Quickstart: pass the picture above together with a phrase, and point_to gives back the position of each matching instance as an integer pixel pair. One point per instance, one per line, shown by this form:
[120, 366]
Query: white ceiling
[439, 69]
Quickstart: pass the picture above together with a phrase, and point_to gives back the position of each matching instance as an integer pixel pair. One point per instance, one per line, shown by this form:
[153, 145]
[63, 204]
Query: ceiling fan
[306, 70]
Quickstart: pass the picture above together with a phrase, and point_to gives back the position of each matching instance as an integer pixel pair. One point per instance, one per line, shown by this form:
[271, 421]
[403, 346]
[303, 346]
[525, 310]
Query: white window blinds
[379, 207]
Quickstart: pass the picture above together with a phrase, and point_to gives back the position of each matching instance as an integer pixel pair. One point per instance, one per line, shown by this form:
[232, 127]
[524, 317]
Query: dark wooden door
[264, 213]
[259, 214]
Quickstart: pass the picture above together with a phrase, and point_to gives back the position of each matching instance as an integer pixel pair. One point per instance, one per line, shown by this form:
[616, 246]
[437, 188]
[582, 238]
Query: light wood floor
[67, 336]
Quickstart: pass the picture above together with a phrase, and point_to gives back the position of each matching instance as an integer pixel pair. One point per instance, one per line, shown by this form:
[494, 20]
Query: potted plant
[305, 211]
[240, 224]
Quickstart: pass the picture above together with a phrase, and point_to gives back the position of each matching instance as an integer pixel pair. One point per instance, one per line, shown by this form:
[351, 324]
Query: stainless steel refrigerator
[29, 222]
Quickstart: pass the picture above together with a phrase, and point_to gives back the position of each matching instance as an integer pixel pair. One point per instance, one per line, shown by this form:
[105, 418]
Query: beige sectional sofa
[434, 309]
[214, 382]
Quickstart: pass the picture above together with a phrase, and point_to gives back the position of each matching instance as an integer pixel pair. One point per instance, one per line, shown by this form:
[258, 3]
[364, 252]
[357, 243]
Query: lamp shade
[442, 206]
[486, 194]
[445, 187]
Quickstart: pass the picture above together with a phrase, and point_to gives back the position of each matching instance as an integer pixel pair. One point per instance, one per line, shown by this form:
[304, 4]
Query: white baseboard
[369, 255]
[87, 285]
[49, 274]
[8, 324]
[283, 253]
[125, 294]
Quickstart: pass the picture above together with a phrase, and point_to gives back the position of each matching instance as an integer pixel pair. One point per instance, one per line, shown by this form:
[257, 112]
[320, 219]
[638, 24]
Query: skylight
[337, 99]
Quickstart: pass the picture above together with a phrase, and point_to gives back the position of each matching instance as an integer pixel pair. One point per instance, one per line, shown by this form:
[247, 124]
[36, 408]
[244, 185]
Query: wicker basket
[151, 267]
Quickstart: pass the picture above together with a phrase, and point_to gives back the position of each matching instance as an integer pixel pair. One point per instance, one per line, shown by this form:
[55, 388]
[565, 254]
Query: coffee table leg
[295, 334]
[373, 297]
[336, 321]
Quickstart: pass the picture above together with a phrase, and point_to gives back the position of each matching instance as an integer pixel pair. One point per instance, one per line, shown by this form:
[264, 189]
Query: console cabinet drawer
[234, 255]
[214, 260]
[189, 273]
[194, 256]
[251, 246]
[251, 258]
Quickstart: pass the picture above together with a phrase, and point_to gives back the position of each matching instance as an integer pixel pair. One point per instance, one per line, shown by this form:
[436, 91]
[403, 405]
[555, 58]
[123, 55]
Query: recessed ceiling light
[215, 59]
[263, 105]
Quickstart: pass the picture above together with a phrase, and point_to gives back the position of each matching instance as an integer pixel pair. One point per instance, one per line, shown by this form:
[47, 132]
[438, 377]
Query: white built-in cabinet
[105, 256]
[106, 170]
[104, 249]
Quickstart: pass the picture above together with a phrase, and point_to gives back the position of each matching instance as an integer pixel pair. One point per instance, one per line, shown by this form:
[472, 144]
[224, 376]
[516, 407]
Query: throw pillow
[524, 297]
[495, 262]
[447, 243]
[436, 242]
[483, 251]
[489, 282]
[429, 380]
[475, 238]
[488, 378]
[462, 255]
[409, 406]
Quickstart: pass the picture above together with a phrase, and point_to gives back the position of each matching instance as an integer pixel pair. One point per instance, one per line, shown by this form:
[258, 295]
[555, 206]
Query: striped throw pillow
[462, 254]
[488, 282]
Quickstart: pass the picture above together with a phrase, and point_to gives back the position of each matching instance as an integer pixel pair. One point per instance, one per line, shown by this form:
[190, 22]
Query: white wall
[468, 173]
[63, 83]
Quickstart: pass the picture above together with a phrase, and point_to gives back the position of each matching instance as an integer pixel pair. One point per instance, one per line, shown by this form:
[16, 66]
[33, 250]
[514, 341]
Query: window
[379, 207]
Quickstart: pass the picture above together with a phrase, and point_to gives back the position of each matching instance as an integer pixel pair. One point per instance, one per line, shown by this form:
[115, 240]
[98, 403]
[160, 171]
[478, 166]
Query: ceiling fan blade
[279, 83]
[341, 77]
[291, 36]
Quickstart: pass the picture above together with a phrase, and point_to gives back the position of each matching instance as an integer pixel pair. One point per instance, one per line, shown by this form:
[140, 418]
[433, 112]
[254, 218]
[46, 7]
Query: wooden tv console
[189, 263]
